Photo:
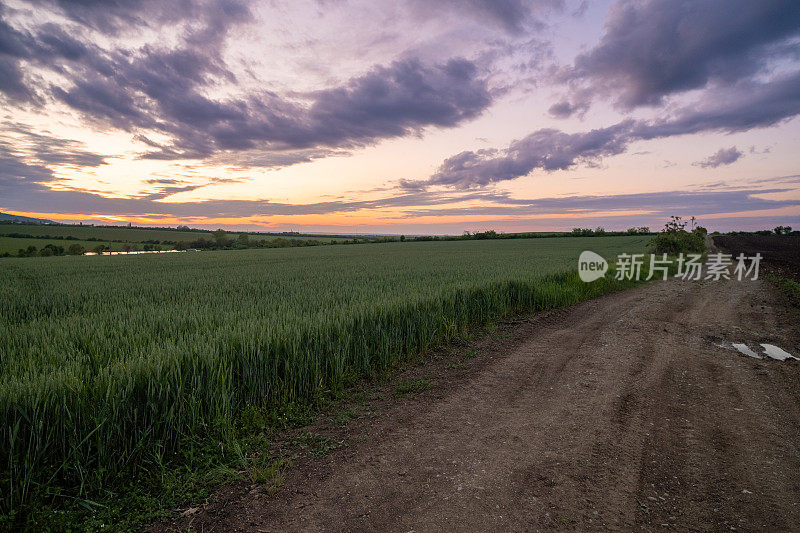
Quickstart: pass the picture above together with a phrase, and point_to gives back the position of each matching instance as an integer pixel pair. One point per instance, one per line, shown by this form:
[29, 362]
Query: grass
[343, 416]
[269, 472]
[471, 354]
[412, 386]
[122, 376]
[316, 445]
[463, 357]
[789, 287]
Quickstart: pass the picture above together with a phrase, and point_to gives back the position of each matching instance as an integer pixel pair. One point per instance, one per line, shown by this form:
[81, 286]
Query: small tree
[220, 237]
[30, 251]
[75, 249]
[51, 249]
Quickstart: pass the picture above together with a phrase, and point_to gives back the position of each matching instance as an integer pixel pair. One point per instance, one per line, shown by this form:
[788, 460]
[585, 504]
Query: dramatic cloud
[546, 149]
[167, 90]
[651, 50]
[386, 102]
[16, 173]
[68, 49]
[729, 110]
[48, 149]
[655, 48]
[26, 156]
[741, 107]
[724, 156]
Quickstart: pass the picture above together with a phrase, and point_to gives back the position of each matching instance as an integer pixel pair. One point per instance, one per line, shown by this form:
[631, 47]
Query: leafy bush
[674, 239]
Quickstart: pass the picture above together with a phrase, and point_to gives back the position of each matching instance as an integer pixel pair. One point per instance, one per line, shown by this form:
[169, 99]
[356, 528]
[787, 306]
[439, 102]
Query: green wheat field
[107, 364]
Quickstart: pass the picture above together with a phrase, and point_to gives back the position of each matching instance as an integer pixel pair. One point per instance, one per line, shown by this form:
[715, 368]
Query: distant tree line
[601, 232]
[222, 240]
[50, 250]
[47, 251]
[492, 234]
[780, 230]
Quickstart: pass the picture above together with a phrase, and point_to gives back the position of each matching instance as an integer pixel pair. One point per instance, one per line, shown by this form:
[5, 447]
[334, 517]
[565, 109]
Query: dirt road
[625, 412]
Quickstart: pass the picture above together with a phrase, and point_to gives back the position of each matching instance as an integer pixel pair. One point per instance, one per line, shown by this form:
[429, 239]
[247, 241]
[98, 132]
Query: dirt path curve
[618, 413]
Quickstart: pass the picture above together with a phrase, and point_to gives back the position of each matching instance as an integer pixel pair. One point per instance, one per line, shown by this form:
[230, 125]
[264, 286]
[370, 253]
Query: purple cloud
[545, 149]
[25, 158]
[724, 156]
[746, 106]
[154, 89]
[386, 102]
[653, 49]
[565, 108]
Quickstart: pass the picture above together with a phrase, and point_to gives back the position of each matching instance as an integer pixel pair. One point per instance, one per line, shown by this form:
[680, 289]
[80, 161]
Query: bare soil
[619, 413]
[781, 253]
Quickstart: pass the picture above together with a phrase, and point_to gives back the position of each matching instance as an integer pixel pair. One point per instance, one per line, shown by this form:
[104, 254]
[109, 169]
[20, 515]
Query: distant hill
[27, 220]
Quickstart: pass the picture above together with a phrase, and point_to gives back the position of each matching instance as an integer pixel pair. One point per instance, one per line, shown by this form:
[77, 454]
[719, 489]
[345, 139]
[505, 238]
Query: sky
[403, 116]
